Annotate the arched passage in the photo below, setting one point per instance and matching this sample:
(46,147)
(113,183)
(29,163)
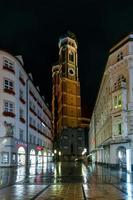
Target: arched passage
(21,156)
(32,157)
(121,154)
(39,157)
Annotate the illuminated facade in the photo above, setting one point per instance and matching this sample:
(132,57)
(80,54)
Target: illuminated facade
(111,125)
(66,102)
(25,119)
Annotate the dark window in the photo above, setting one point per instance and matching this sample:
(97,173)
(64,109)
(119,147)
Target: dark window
(71,56)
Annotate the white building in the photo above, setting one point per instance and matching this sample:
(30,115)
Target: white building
(111,126)
(25,120)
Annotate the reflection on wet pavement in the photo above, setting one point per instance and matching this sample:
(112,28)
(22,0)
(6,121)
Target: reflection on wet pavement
(93,182)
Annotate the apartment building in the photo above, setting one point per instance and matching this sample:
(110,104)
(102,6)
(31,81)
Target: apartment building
(25,119)
(111,125)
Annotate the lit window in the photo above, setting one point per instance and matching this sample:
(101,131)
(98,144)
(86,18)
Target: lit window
(8,106)
(119,100)
(115,101)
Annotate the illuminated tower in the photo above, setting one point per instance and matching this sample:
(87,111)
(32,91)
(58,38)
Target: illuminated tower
(66,103)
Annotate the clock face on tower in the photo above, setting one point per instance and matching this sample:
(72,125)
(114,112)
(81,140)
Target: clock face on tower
(71,72)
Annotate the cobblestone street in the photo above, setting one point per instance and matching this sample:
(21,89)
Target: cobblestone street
(66,181)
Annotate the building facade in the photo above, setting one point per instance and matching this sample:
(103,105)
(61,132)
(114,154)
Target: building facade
(66,101)
(25,119)
(111,125)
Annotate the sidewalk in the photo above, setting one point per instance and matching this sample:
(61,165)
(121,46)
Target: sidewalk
(63,191)
(21,192)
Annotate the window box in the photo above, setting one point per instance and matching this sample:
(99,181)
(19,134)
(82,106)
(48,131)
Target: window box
(22,120)
(9,69)
(31,93)
(21,80)
(22,100)
(8,114)
(39,104)
(10,91)
(33,127)
(39,118)
(33,111)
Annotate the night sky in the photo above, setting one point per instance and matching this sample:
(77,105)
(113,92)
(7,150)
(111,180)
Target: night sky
(32,29)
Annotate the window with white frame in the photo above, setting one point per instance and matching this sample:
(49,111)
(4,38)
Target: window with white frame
(21,94)
(21,113)
(8,84)
(21,134)
(8,106)
(8,63)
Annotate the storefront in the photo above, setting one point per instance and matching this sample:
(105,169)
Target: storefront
(45,156)
(32,157)
(21,156)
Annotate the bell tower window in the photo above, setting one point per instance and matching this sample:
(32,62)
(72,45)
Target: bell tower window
(71,56)
(63,55)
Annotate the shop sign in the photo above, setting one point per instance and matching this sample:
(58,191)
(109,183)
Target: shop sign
(39,148)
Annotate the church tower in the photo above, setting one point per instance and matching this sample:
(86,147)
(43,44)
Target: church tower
(66,102)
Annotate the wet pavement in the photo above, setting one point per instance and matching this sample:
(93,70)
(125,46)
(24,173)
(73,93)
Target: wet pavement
(63,181)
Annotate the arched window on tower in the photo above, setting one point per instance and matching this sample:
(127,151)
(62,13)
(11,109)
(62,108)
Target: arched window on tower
(63,55)
(71,56)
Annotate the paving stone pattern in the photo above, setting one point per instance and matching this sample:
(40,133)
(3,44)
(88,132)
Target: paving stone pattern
(63,192)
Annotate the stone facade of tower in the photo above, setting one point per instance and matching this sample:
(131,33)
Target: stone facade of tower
(66,102)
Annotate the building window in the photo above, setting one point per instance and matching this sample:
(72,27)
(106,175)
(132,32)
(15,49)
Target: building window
(5,157)
(13,158)
(21,115)
(21,78)
(8,106)
(21,135)
(30,138)
(120,56)
(9,86)
(118,101)
(71,56)
(8,64)
(119,128)
(34,139)
(21,96)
